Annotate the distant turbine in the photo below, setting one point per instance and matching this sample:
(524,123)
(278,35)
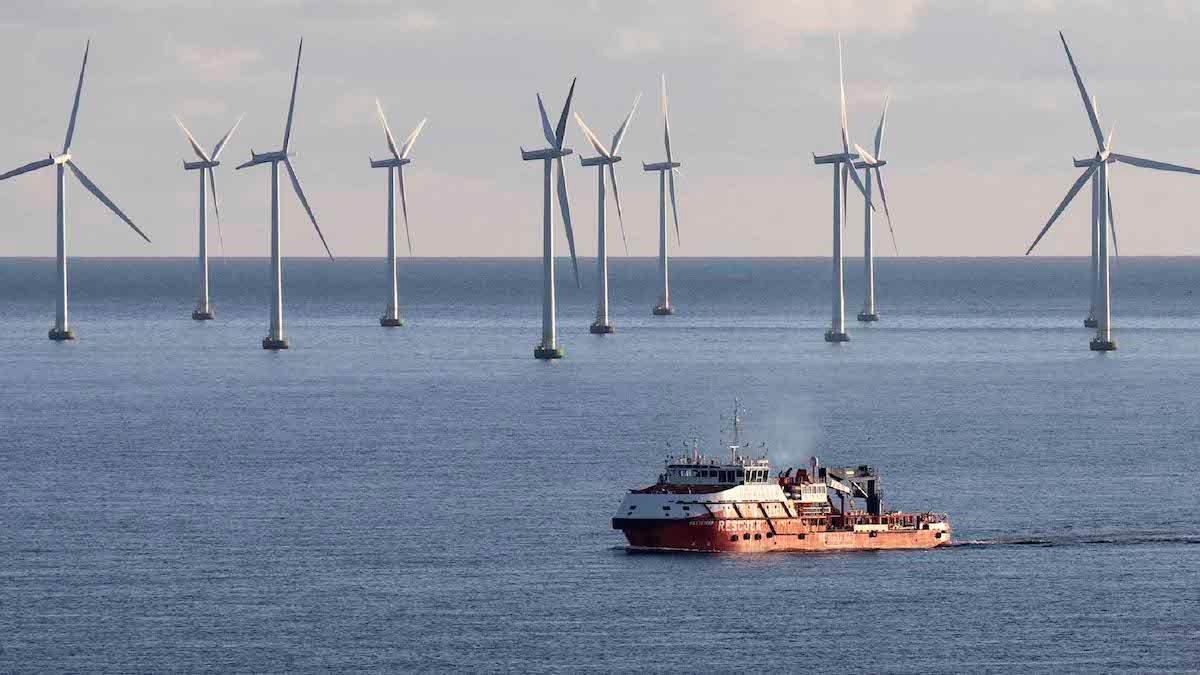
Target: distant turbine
(62,329)
(391,317)
(548,348)
(275,339)
(207,163)
(666,173)
(607,158)
(875,163)
(843,166)
(1096,170)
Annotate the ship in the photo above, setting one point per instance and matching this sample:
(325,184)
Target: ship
(742,505)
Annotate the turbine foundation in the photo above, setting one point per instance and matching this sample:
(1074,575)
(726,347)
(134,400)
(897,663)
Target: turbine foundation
(61,335)
(663,310)
(1101,345)
(390,322)
(1090,323)
(274,344)
(601,328)
(203,314)
(546,353)
(832,336)
(867,317)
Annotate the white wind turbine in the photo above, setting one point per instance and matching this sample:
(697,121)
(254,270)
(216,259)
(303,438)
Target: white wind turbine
(843,166)
(873,162)
(1096,170)
(391,317)
(607,158)
(548,348)
(666,175)
(275,338)
(62,161)
(207,163)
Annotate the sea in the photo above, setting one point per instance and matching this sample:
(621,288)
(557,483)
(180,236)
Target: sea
(173,498)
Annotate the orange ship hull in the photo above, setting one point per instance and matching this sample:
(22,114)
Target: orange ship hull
(714,535)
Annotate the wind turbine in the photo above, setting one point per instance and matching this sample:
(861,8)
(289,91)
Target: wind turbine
(548,348)
(843,166)
(873,162)
(62,161)
(395,165)
(207,163)
(607,158)
(1096,170)
(666,174)
(275,339)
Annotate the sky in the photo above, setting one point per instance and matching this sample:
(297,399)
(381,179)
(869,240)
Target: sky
(984,122)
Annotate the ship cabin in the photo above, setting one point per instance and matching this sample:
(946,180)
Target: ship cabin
(710,473)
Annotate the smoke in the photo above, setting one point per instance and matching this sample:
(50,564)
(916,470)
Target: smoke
(790,428)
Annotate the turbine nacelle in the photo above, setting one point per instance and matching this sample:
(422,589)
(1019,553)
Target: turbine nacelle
(599,161)
(834,158)
(1082,163)
(277,156)
(547,153)
(391,162)
(192,166)
(660,166)
(868,165)
(60,159)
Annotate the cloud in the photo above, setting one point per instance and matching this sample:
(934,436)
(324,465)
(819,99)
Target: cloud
(215,63)
(632,42)
(775,26)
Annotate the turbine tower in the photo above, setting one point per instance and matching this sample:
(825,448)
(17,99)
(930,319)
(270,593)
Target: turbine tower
(62,161)
(606,158)
(666,175)
(873,162)
(1096,170)
(548,348)
(843,166)
(203,310)
(275,339)
(395,165)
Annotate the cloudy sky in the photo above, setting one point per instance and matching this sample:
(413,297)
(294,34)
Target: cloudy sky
(984,121)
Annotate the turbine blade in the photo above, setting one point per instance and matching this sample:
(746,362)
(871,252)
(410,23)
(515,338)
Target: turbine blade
(674,212)
(91,187)
(547,130)
(1087,101)
(858,181)
(564,206)
(612,178)
(616,141)
(387,130)
(32,166)
(1083,178)
(1152,164)
(195,146)
(404,208)
(560,132)
(304,202)
(865,155)
(879,130)
(666,120)
(212,180)
(842,89)
(1112,222)
(287,131)
(412,138)
(221,143)
(883,198)
(591,138)
(75,106)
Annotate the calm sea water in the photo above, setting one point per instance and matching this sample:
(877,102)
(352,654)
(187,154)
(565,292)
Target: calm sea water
(172,497)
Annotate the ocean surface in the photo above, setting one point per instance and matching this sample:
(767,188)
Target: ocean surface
(431,498)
